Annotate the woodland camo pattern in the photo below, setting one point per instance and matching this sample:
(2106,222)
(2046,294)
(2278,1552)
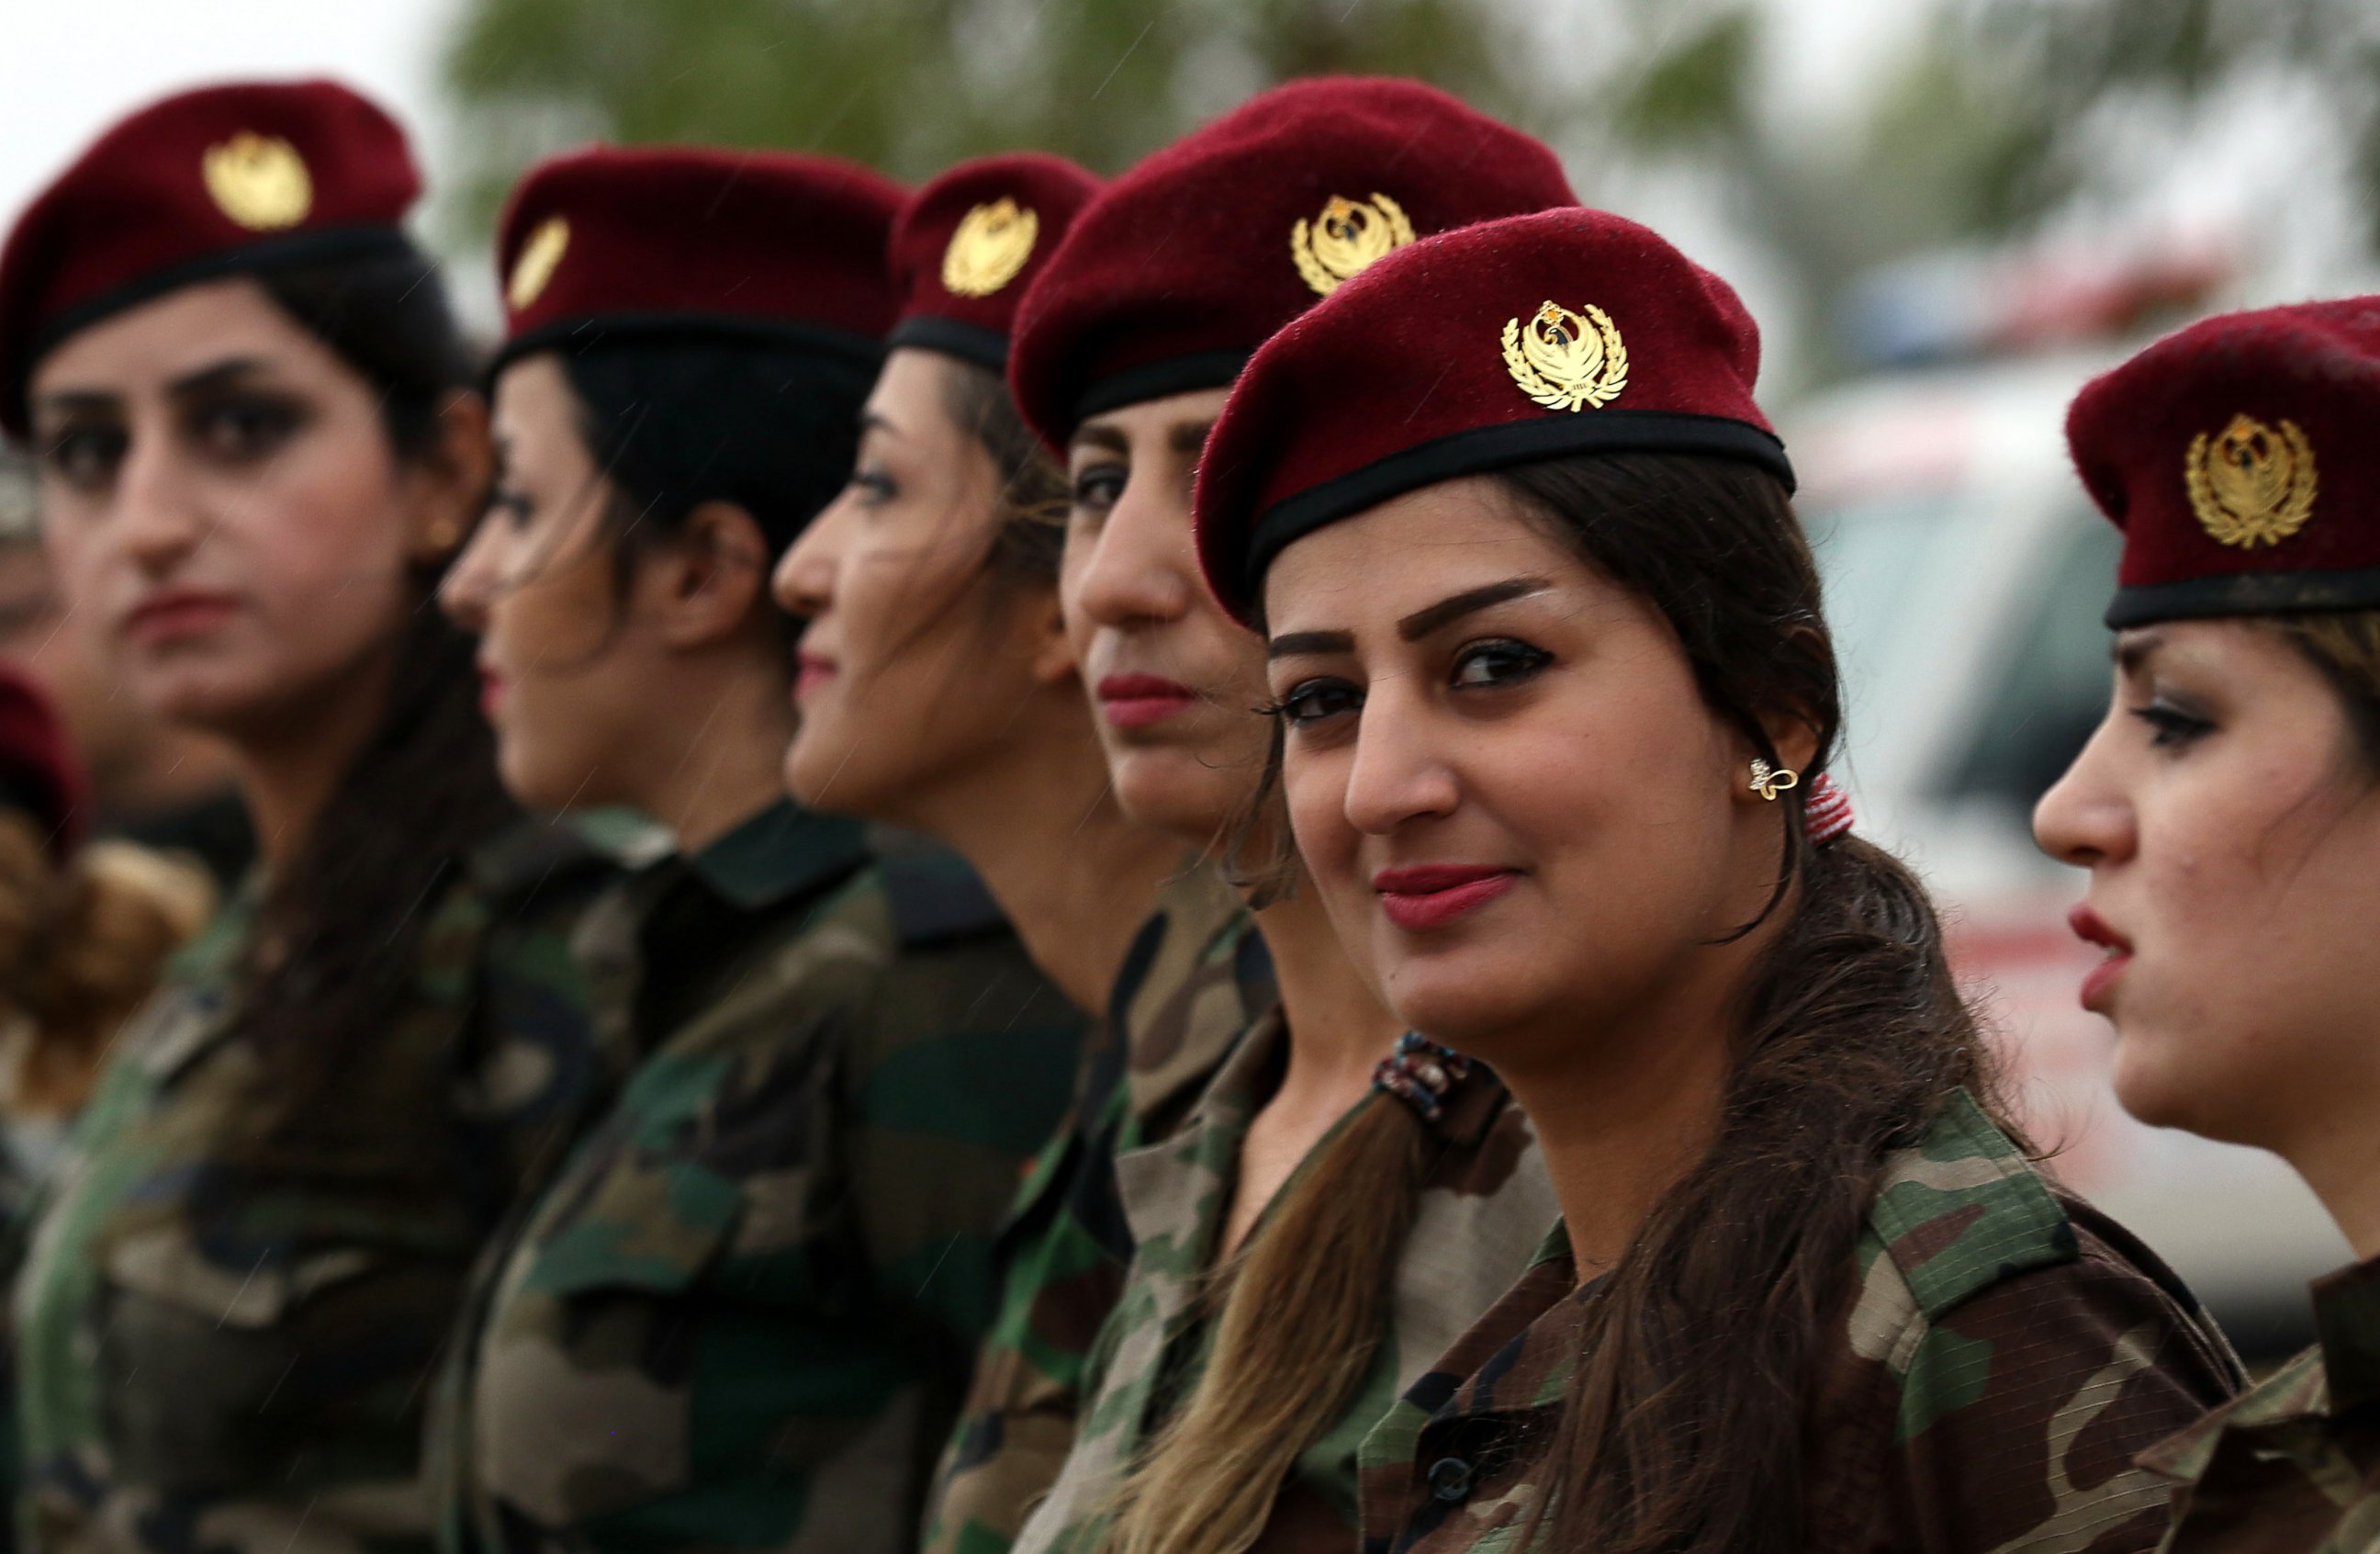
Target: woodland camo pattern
(2293,1466)
(223,1352)
(741,1315)
(1484,1206)
(1196,978)
(2004,1352)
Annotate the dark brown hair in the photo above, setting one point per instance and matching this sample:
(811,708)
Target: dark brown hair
(1700,1352)
(342,927)
(1297,1315)
(1031,538)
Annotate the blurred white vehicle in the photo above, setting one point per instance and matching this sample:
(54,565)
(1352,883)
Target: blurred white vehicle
(1966,575)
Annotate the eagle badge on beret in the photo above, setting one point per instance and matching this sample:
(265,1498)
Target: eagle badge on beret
(2251,485)
(1566,360)
(540,256)
(992,244)
(259,181)
(1347,236)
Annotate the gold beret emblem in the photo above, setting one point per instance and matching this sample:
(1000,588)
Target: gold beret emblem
(991,246)
(259,181)
(540,256)
(2251,485)
(1347,236)
(1566,360)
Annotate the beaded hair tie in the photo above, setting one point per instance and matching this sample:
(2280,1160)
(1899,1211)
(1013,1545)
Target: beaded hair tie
(1827,813)
(1419,1073)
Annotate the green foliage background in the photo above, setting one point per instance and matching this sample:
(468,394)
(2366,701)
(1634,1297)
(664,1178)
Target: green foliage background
(1993,125)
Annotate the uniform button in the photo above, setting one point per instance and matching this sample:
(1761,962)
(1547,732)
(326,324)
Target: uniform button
(1449,1479)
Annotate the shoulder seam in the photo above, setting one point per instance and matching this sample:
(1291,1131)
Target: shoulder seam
(2012,1223)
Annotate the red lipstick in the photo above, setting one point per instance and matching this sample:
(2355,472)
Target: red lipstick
(1432,895)
(2092,929)
(1138,700)
(815,670)
(168,615)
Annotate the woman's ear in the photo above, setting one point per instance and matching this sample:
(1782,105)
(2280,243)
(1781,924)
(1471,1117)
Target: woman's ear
(1054,655)
(704,587)
(447,489)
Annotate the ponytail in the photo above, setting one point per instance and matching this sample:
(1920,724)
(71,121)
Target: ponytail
(1685,1426)
(1300,1311)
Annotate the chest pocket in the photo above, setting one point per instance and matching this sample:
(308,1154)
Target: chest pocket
(217,1370)
(583,1402)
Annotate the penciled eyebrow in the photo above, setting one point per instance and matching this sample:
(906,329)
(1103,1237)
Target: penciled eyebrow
(1446,612)
(1413,628)
(1297,644)
(1107,439)
(2133,649)
(207,379)
(1189,437)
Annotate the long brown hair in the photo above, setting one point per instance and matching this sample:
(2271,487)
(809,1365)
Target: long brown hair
(1297,1316)
(1684,1428)
(341,925)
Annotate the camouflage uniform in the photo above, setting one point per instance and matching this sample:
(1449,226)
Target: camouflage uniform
(742,1315)
(224,1350)
(2293,1465)
(1195,977)
(1485,1205)
(2005,1352)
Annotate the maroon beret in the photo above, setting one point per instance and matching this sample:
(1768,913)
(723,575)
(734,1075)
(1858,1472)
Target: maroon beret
(2233,456)
(220,181)
(1536,337)
(1184,266)
(968,244)
(680,241)
(39,770)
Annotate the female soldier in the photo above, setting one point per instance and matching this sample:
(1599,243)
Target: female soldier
(939,692)
(258,446)
(2228,811)
(741,1315)
(1809,1295)
(1215,1423)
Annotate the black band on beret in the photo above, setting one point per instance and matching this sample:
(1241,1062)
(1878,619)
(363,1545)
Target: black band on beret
(1158,379)
(568,334)
(1486,448)
(2244,593)
(965,341)
(327,245)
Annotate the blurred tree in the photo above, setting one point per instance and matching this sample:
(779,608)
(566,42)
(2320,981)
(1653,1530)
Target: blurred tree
(912,85)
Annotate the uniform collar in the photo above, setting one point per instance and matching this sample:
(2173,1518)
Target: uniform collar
(779,853)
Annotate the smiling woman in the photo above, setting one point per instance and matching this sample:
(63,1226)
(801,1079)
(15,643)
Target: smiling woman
(259,444)
(1808,1291)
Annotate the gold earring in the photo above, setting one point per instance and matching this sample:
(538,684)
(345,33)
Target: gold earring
(444,534)
(1769,781)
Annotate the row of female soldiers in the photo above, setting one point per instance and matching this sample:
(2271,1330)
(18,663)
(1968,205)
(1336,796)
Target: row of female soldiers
(1342,600)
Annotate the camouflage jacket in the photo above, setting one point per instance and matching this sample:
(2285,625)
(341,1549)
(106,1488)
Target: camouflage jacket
(1485,1205)
(1195,977)
(2005,1352)
(224,1349)
(2293,1466)
(742,1315)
